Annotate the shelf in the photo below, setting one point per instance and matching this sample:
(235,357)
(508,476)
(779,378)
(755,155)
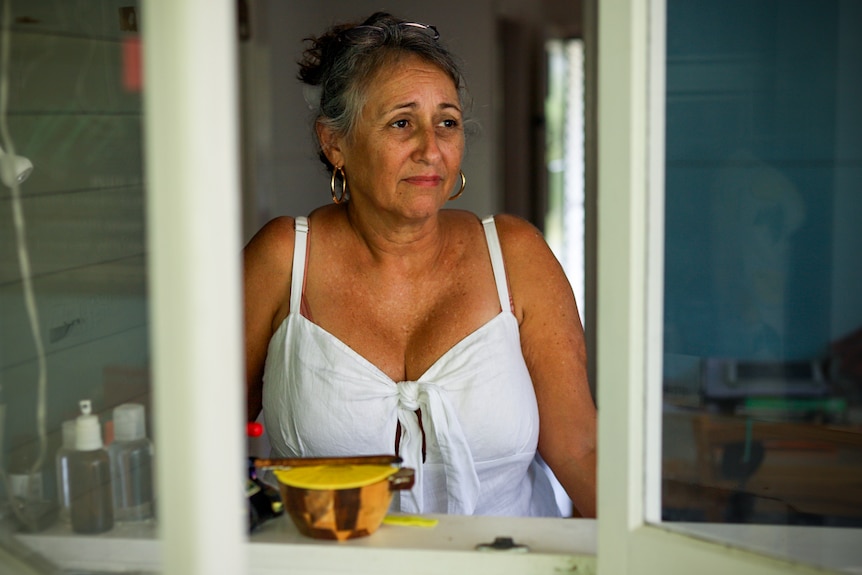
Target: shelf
(554,544)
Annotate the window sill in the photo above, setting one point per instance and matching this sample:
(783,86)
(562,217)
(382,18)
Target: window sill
(561,545)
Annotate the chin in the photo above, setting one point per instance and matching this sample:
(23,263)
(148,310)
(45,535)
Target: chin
(425,208)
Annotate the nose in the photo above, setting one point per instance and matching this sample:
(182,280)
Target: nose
(427,145)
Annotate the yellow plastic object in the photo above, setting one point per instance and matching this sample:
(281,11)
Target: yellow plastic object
(410,521)
(334,476)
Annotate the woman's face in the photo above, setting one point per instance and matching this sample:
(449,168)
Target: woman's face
(404,154)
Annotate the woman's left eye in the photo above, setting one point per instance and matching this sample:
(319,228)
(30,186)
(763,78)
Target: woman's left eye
(449,123)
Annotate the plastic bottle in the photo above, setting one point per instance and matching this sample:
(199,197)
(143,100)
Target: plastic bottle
(65,452)
(26,485)
(24,482)
(91,499)
(131,455)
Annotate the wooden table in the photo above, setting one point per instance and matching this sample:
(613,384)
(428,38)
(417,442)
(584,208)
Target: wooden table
(808,472)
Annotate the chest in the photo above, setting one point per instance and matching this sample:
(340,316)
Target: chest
(402,324)
(334,401)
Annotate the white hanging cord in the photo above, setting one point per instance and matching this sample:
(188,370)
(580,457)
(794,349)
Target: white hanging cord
(23,255)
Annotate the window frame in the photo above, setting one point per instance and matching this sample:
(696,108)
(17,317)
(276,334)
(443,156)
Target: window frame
(631,122)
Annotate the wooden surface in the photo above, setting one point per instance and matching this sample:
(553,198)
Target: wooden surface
(311,461)
(808,472)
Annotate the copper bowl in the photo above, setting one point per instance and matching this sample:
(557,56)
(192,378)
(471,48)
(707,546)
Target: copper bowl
(340,514)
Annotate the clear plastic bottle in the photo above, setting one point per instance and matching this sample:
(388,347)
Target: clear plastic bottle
(131,455)
(66,450)
(91,505)
(25,483)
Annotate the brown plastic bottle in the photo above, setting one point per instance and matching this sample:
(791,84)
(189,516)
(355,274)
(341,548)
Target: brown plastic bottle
(91,498)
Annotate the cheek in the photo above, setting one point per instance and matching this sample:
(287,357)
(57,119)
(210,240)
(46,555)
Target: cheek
(455,146)
(377,166)
(389,158)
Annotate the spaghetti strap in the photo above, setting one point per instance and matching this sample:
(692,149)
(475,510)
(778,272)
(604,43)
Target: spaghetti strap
(497,262)
(297,278)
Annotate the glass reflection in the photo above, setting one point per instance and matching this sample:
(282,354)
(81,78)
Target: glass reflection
(763,318)
(73,301)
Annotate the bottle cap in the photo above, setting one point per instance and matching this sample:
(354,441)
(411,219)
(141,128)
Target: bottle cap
(69,434)
(88,434)
(253,429)
(129,422)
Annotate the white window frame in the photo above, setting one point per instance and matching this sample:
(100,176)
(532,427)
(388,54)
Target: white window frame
(193,234)
(630,283)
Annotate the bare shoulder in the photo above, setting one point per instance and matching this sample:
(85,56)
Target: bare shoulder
(524,246)
(516,233)
(268,262)
(275,231)
(271,243)
(535,276)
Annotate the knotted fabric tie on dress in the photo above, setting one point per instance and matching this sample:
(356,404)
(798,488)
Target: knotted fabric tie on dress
(462,482)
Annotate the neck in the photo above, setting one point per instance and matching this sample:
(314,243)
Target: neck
(394,239)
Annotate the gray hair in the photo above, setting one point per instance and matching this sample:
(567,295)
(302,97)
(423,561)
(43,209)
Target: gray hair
(338,66)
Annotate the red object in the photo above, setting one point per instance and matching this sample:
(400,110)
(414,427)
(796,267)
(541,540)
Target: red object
(132,64)
(254,429)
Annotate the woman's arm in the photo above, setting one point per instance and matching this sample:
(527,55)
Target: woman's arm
(267,263)
(552,340)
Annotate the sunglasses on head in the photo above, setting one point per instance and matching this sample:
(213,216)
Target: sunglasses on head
(359,32)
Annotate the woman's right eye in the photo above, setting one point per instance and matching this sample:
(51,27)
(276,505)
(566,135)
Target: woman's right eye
(399,124)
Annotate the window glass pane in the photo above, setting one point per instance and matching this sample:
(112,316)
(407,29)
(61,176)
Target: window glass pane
(762,312)
(73,274)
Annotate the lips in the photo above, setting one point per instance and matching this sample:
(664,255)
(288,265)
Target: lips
(427,181)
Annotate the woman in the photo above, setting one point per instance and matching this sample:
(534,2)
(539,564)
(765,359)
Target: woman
(383,323)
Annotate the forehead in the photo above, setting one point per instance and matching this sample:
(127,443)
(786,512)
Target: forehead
(409,80)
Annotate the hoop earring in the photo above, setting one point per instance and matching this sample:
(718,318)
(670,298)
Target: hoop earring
(339,199)
(460,191)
